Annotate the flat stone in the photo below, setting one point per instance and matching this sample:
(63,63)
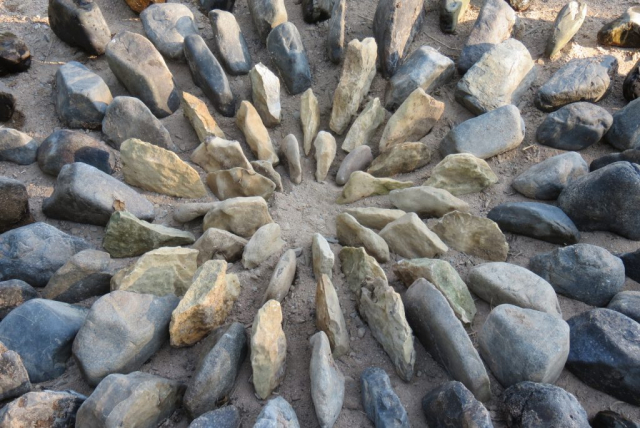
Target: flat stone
(128,117)
(451,11)
(215,377)
(42,332)
(625,132)
(452,405)
(575,126)
(282,277)
(495,24)
(267,15)
(14,293)
(17,147)
(265,90)
(566,25)
(381,307)
(7,104)
(82,96)
(122,331)
(505,283)
(309,119)
(352,234)
(625,302)
(427,201)
(631,85)
(357,266)
(461,174)
(325,146)
(425,68)
(184,213)
(322,257)
(409,237)
(623,31)
(487,135)
(365,126)
(360,185)
(532,404)
(216,244)
(631,155)
(15,56)
(327,381)
(224,417)
(33,253)
(156,169)
(581,79)
(14,201)
(140,5)
(335,37)
(358,71)
(208,75)
(329,316)
(268,349)
(218,154)
(14,379)
(413,120)
(375,218)
(381,404)
(255,133)
(316,10)
(79,24)
(167,270)
(63,147)
(445,278)
(265,168)
(239,182)
(609,419)
(135,399)
(196,111)
(277,412)
(395,23)
(141,69)
(289,56)
(291,152)
(582,272)
(167,25)
(443,336)
(546,179)
(42,409)
(263,244)
(400,159)
(229,44)
(241,216)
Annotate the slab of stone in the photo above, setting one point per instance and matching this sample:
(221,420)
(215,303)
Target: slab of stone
(196,111)
(566,25)
(381,404)
(335,36)
(79,24)
(461,174)
(322,256)
(291,152)
(14,201)
(63,147)
(453,405)
(627,303)
(409,237)
(625,132)
(263,244)
(14,293)
(327,381)
(289,56)
(229,44)
(15,56)
(265,90)
(352,234)
(282,277)
(427,201)
(86,274)
(400,159)
(360,185)
(265,168)
(375,218)
(623,31)
(255,133)
(631,85)
(224,417)
(167,25)
(357,266)
(277,412)
(267,15)
(239,182)
(17,147)
(268,349)
(42,408)
(218,154)
(241,216)
(329,316)
(546,179)
(365,126)
(325,147)
(451,11)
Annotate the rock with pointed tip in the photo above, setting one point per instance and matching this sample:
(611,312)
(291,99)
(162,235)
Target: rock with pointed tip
(262,245)
(335,37)
(360,185)
(358,160)
(17,147)
(290,57)
(79,24)
(167,25)
(282,277)
(322,256)
(409,237)
(229,44)
(239,182)
(268,349)
(325,146)
(327,381)
(353,234)
(217,243)
(566,25)
(267,15)
(257,136)
(291,152)
(241,216)
(265,90)
(623,31)
(196,111)
(218,154)
(365,126)
(329,316)
(546,179)
(309,118)
(357,266)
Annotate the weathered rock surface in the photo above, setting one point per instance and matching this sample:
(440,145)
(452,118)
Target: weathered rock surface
(623,31)
(610,419)
(365,126)
(575,126)
(461,174)
(291,152)
(400,159)
(63,147)
(321,256)
(265,93)
(546,179)
(184,213)
(409,237)
(42,409)
(217,154)
(309,118)
(239,182)
(17,147)
(224,417)
(209,5)
(216,244)
(381,404)
(627,303)
(229,44)
(375,218)
(255,133)
(427,201)
(282,277)
(316,10)
(14,201)
(327,381)
(196,111)
(329,317)
(451,11)
(290,57)
(566,25)
(265,168)
(277,412)
(167,25)
(14,293)
(263,244)
(7,104)
(352,234)
(267,15)
(335,37)
(268,349)
(79,24)
(625,132)
(453,405)
(360,185)
(357,266)
(140,5)
(14,379)
(86,274)
(241,216)
(15,56)
(325,146)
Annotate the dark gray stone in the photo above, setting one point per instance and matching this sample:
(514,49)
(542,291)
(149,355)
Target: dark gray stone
(536,220)
(206,6)
(582,272)
(335,36)
(14,204)
(14,293)
(623,31)
(35,252)
(442,334)
(546,179)
(17,147)
(82,96)
(574,127)
(605,353)
(609,419)
(395,23)
(79,23)
(208,75)
(167,25)
(7,106)
(225,417)
(128,117)
(290,57)
(266,15)
(450,13)
(631,85)
(42,332)
(358,160)
(85,194)
(625,131)
(14,54)
(581,79)
(380,402)
(229,43)
(63,147)
(47,409)
(538,405)
(606,200)
(453,405)
(141,69)
(632,265)
(627,303)
(631,155)
(316,10)
(277,413)
(216,373)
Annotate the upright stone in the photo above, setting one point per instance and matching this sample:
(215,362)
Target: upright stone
(265,90)
(268,349)
(316,10)
(167,25)
(335,37)
(201,120)
(242,216)
(325,145)
(451,11)
(289,56)
(277,412)
(566,25)
(329,316)
(291,152)
(322,257)
(327,381)
(381,404)
(255,133)
(282,277)
(229,44)
(63,147)
(309,118)
(365,126)
(79,24)
(266,15)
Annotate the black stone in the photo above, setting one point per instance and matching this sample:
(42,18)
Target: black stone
(574,127)
(631,85)
(42,332)
(536,220)
(605,353)
(316,10)
(290,57)
(7,106)
(79,23)
(631,155)
(606,199)
(225,417)
(14,204)
(381,404)
(14,54)
(208,75)
(35,252)
(627,303)
(520,5)
(540,405)
(632,265)
(453,405)
(335,36)
(14,293)
(208,5)
(229,43)
(624,133)
(609,419)
(63,147)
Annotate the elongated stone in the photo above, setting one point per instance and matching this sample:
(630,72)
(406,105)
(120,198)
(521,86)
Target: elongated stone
(623,31)
(335,37)
(266,15)
(325,146)
(229,44)
(17,147)
(239,182)
(358,160)
(265,90)
(353,234)
(290,57)
(566,25)
(282,277)
(329,316)
(327,381)
(451,11)
(357,266)
(322,256)
(358,71)
(217,154)
(167,25)
(265,168)
(79,24)
(242,216)
(291,151)
(263,244)
(217,243)
(63,147)
(310,119)
(427,201)
(400,159)
(361,185)
(268,349)
(381,404)
(365,126)
(196,111)
(375,218)
(257,136)
(409,237)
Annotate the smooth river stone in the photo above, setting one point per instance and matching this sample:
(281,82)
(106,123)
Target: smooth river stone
(358,160)
(167,25)
(79,23)
(229,44)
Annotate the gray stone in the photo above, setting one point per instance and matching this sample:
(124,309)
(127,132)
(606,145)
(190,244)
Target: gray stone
(631,262)
(17,147)
(631,155)
(216,243)
(335,37)
(289,56)
(358,159)
(277,413)
(352,234)
(79,24)
(451,11)
(291,152)
(381,404)
(282,277)
(625,131)
(427,201)
(14,293)
(566,25)
(229,44)
(50,409)
(627,303)
(327,381)
(316,10)
(185,213)
(453,405)
(623,31)
(266,15)
(167,25)
(546,179)
(14,379)
(225,417)
(14,201)
(631,85)
(575,126)
(63,147)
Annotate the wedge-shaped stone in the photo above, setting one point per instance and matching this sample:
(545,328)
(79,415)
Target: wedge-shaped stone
(329,317)
(361,185)
(290,57)
(167,25)
(158,170)
(357,266)
(375,218)
(268,349)
(241,216)
(238,182)
(79,24)
(358,71)
(623,31)
(461,174)
(477,236)
(282,277)
(322,256)
(409,237)
(427,201)
(325,145)
(216,243)
(160,272)
(257,136)
(229,44)
(266,15)
(264,243)
(196,111)
(358,160)
(266,169)
(217,154)
(309,118)
(365,126)
(327,381)
(353,234)
(400,159)
(413,120)
(265,93)
(291,151)
(566,25)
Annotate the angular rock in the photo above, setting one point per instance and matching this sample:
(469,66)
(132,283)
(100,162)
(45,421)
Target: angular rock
(167,25)
(268,349)
(409,237)
(14,379)
(229,44)
(14,293)
(453,405)
(14,54)
(241,216)
(327,381)
(42,409)
(122,331)
(291,152)
(263,244)
(627,303)
(79,24)
(357,266)
(14,201)
(443,336)
(255,133)
(216,243)
(631,85)
(566,25)
(82,96)
(265,168)
(201,120)
(316,10)
(505,283)
(375,218)
(413,120)
(265,93)
(623,31)
(140,5)
(239,182)
(17,147)
(325,146)
(128,117)
(352,234)
(625,132)
(451,11)
(427,201)
(381,404)
(582,272)
(267,15)
(335,37)
(546,179)
(581,79)
(400,159)
(365,126)
(309,118)
(224,417)
(609,419)
(184,213)
(322,257)
(217,154)
(575,126)
(360,185)
(329,316)
(63,147)
(141,69)
(358,71)
(289,56)
(282,277)
(277,412)
(461,174)
(167,270)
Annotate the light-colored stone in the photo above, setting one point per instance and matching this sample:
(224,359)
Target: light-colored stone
(413,120)
(216,154)
(326,148)
(361,185)
(156,169)
(267,15)
(329,316)
(196,111)
(375,218)
(409,237)
(282,277)
(268,349)
(358,71)
(241,216)
(206,304)
(357,266)
(186,212)
(310,118)
(291,151)
(265,242)
(217,243)
(566,25)
(461,174)
(160,272)
(358,160)
(400,159)
(353,234)
(265,93)
(240,182)
(257,136)
(327,381)
(476,236)
(322,256)
(365,125)
(14,379)
(265,168)
(427,201)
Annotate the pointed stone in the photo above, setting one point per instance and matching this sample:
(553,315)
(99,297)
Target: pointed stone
(241,216)
(310,118)
(184,213)
(451,11)
(335,37)
(381,404)
(196,111)
(353,234)
(255,133)
(361,185)
(266,15)
(282,277)
(375,218)
(427,201)
(329,316)
(262,245)
(357,266)
(365,126)
(358,71)
(268,349)
(14,54)
(79,24)
(409,237)
(322,257)
(461,174)
(167,25)
(566,25)
(327,381)
(63,147)
(229,44)
(623,31)
(265,90)
(400,159)
(218,154)
(239,182)
(358,160)
(290,57)
(265,168)
(291,151)
(17,147)
(216,243)
(325,146)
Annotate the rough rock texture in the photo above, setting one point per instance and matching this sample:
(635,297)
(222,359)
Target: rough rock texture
(461,174)
(197,112)
(375,218)
(623,31)
(14,201)
(14,293)
(7,102)
(266,15)
(263,244)
(140,5)
(63,147)
(290,57)
(184,213)
(291,152)
(316,10)
(14,379)
(380,402)
(627,303)
(631,155)
(265,168)
(239,182)
(309,118)
(325,146)
(365,126)
(79,24)
(329,317)
(217,154)
(268,349)
(42,409)
(265,93)
(427,201)
(17,147)
(167,25)
(409,237)
(327,381)
(255,133)
(625,130)
(353,234)
(546,179)
(216,243)
(631,85)
(321,256)
(575,126)
(357,266)
(277,412)
(400,159)
(241,216)
(224,417)
(609,419)
(360,185)
(566,25)
(282,277)
(453,405)
(229,44)
(15,56)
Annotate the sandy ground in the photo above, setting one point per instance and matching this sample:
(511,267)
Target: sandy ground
(308,208)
